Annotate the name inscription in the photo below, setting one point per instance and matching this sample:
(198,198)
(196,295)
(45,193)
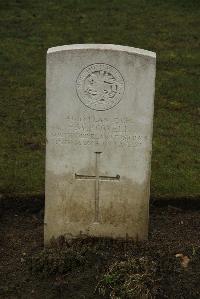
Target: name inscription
(86,131)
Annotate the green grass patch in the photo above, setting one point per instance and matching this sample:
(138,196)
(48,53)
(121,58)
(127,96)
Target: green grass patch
(170,28)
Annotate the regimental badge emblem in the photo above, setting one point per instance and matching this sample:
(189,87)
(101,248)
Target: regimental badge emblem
(100,86)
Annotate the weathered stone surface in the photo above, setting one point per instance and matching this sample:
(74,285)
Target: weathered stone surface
(99,129)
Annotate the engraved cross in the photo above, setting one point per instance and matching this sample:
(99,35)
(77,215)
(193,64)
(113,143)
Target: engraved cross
(97,179)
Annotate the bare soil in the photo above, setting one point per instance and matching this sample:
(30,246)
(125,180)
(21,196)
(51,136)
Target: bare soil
(26,268)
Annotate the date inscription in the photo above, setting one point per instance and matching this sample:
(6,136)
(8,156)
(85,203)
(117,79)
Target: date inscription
(88,131)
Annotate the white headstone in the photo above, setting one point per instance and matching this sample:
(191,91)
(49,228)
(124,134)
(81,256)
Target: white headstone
(100,101)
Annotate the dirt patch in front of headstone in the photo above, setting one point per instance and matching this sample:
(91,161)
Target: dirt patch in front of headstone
(167,266)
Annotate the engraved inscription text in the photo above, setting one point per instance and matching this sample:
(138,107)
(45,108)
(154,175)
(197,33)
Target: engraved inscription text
(89,131)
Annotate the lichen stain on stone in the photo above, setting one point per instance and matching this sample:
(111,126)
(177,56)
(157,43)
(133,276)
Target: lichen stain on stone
(126,204)
(71,205)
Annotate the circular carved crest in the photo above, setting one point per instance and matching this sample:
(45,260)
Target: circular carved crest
(100,86)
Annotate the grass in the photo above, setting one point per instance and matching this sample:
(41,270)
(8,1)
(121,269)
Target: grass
(170,28)
(131,278)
